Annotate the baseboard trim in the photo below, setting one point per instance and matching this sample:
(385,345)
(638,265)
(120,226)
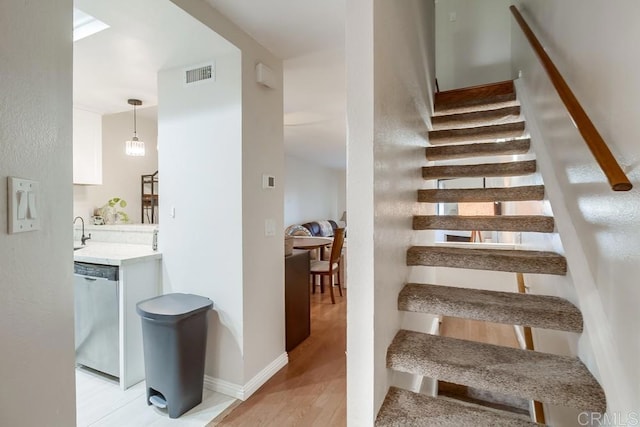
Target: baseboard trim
(221,386)
(263,376)
(244,392)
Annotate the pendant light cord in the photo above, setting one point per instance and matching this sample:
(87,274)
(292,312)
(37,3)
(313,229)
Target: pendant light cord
(135,126)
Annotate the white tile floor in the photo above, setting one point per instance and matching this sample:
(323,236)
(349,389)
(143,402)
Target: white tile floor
(101,403)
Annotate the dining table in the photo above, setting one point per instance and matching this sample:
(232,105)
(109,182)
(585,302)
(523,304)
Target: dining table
(312,243)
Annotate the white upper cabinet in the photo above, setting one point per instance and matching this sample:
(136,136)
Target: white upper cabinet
(87,147)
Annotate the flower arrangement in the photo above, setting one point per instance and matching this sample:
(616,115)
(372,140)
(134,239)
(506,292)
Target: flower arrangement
(110,213)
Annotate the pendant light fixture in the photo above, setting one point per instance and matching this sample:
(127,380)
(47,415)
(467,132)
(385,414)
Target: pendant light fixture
(134,147)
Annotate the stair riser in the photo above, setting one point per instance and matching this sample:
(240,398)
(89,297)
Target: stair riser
(486,223)
(512,194)
(465,97)
(483,133)
(482,170)
(476,118)
(480,261)
(462,151)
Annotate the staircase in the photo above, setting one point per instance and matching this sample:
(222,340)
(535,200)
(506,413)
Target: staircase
(468,123)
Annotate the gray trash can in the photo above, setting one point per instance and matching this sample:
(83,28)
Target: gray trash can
(174,336)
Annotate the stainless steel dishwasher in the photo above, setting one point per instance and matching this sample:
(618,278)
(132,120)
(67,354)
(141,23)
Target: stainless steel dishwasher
(97,317)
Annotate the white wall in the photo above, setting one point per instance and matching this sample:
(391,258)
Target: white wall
(599,227)
(36,307)
(476,47)
(120,173)
(262,256)
(200,153)
(312,192)
(389,85)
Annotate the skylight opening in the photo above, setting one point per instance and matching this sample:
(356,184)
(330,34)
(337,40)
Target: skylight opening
(85,25)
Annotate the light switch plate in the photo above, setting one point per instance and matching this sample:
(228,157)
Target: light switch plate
(269,227)
(23,205)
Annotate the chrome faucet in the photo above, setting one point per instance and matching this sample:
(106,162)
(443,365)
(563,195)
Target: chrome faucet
(83,239)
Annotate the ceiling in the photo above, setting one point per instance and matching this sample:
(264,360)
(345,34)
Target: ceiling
(122,61)
(309,37)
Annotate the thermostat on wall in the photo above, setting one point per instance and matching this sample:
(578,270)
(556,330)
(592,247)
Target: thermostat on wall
(268,181)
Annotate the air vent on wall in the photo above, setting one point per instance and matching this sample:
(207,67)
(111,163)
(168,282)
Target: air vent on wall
(201,74)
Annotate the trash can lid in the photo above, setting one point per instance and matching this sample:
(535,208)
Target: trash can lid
(173,307)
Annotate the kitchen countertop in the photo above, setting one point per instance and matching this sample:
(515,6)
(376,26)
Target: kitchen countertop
(114,253)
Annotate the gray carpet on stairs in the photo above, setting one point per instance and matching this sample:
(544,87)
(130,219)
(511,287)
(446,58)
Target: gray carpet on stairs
(503,101)
(402,408)
(459,151)
(535,223)
(480,170)
(483,114)
(517,261)
(538,311)
(532,192)
(478,133)
(489,116)
(549,378)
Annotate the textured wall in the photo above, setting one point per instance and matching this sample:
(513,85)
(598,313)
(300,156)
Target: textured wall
(36,306)
(390,72)
(200,157)
(599,227)
(262,152)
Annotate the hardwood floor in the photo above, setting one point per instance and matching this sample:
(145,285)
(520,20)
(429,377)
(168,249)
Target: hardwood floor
(311,390)
(476,330)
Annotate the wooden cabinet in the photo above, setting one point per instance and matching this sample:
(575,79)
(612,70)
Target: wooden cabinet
(87,147)
(297,305)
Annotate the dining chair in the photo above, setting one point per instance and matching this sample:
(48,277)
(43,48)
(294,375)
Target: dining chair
(321,269)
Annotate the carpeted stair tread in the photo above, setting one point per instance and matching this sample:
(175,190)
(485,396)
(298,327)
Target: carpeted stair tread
(548,378)
(402,408)
(491,116)
(517,261)
(458,151)
(537,311)
(529,223)
(477,133)
(475,96)
(480,170)
(532,192)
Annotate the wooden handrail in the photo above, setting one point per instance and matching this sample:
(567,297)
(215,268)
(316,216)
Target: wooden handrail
(597,145)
